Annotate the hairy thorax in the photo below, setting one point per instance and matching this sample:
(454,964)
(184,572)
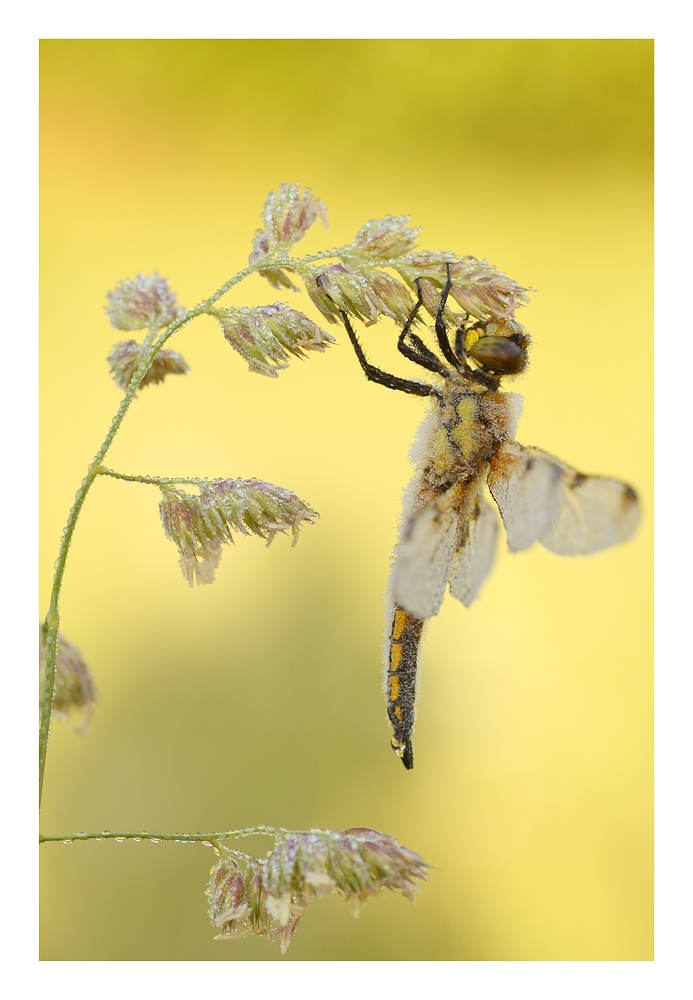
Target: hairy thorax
(464,431)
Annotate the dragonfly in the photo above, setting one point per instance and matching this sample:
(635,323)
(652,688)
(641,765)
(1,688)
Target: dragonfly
(465,447)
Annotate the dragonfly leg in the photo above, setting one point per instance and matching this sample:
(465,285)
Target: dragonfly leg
(441,328)
(384,378)
(419,353)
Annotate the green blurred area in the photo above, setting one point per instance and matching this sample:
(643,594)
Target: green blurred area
(258,700)
(537,98)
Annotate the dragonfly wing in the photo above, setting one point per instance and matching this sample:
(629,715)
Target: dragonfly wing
(594,513)
(543,499)
(474,558)
(527,485)
(423,558)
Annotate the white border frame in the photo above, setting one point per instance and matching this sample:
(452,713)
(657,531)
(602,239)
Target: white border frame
(668,975)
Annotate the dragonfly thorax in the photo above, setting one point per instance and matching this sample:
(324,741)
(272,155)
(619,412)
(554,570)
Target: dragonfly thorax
(467,431)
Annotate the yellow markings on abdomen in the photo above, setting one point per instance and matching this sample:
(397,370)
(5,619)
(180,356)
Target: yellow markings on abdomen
(400,620)
(405,636)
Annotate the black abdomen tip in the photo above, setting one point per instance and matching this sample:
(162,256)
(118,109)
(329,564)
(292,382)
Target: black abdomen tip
(408,755)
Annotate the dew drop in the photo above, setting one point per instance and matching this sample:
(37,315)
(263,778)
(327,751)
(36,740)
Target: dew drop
(68,841)
(137,839)
(207,843)
(155,840)
(121,840)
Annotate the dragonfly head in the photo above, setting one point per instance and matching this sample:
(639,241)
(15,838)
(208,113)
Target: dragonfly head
(498,347)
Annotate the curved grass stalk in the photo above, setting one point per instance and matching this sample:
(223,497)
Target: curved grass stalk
(151,347)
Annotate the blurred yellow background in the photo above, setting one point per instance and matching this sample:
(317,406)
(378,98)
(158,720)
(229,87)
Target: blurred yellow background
(258,699)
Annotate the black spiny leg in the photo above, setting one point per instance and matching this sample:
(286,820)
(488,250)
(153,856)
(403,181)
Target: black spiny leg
(460,335)
(377,375)
(419,353)
(459,342)
(441,329)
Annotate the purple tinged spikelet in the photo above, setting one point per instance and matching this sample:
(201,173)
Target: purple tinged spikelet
(392,297)
(198,543)
(266,336)
(479,288)
(228,908)
(361,291)
(200,525)
(74,692)
(358,863)
(387,238)
(148,301)
(336,288)
(239,905)
(125,357)
(287,215)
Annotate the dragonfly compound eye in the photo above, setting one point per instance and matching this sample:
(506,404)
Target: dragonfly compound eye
(499,354)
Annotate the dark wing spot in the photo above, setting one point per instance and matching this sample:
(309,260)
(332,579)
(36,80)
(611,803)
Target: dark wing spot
(629,497)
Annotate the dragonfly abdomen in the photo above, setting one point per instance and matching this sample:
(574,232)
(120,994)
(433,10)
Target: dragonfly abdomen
(403,657)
